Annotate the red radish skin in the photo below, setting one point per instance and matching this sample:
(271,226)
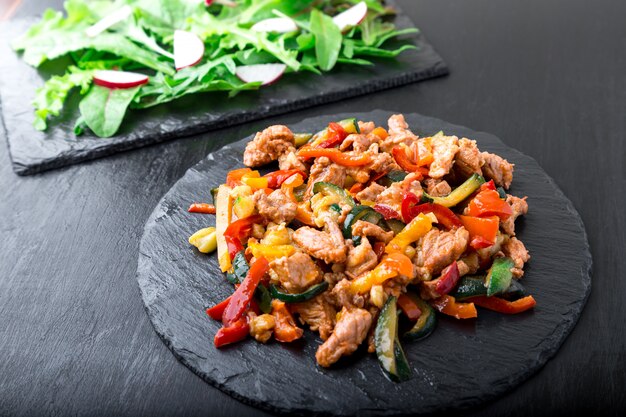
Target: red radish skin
(188,49)
(264,73)
(119,79)
(351,17)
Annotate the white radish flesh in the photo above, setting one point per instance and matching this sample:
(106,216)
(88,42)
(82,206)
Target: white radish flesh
(108,21)
(188,49)
(119,79)
(351,17)
(263,73)
(275,25)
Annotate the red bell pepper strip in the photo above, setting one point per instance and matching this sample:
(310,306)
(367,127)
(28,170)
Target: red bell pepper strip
(202,208)
(234,333)
(488,203)
(335,134)
(503,306)
(408,306)
(242,296)
(448,279)
(482,230)
(356,188)
(336,156)
(409,201)
(217,310)
(275,179)
(239,230)
(387,212)
(403,160)
(489,185)
(447,304)
(445,216)
(285,329)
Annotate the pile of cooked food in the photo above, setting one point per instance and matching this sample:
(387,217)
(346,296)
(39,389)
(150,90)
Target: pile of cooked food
(363,234)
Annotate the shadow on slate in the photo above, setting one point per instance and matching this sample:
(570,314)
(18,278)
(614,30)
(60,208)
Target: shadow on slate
(462,364)
(33,151)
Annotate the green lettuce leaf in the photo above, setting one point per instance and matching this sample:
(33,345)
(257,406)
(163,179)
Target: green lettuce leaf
(103,109)
(327,39)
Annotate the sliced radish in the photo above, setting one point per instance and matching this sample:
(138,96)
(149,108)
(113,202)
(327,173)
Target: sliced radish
(276,25)
(119,79)
(188,49)
(263,73)
(351,17)
(108,21)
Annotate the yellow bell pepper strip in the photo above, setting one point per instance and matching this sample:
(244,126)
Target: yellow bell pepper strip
(448,305)
(204,239)
(335,155)
(254,180)
(391,266)
(223,217)
(271,252)
(417,228)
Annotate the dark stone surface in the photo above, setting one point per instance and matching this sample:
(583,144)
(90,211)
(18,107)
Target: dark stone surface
(462,364)
(33,151)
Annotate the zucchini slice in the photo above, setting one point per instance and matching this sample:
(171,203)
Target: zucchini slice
(388,349)
(364,213)
(474,286)
(395,225)
(330,189)
(392,176)
(301,138)
(499,276)
(426,322)
(459,194)
(298,298)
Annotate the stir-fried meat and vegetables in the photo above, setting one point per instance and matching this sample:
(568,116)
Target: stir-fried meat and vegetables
(360,222)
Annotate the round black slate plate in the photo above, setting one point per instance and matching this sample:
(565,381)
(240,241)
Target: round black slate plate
(462,364)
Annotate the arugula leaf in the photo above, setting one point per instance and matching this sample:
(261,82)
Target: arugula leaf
(327,39)
(385,53)
(103,109)
(49,99)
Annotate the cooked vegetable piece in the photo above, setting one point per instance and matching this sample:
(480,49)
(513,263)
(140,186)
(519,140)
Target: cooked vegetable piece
(301,138)
(499,276)
(223,210)
(488,203)
(474,286)
(244,293)
(506,307)
(483,230)
(300,297)
(460,193)
(204,239)
(364,213)
(204,208)
(286,329)
(391,177)
(336,156)
(388,349)
(330,189)
(425,323)
(417,228)
(446,304)
(392,265)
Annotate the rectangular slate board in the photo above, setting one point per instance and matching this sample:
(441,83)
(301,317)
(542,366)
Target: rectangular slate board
(33,151)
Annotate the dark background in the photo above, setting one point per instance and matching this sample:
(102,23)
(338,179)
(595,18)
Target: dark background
(547,77)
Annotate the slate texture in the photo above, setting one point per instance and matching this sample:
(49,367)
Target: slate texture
(33,151)
(462,364)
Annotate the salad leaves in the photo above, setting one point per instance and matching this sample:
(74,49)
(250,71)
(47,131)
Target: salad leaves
(142,41)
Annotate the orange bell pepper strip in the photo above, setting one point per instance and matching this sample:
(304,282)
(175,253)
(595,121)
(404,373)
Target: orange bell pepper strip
(202,208)
(447,304)
(335,155)
(482,230)
(381,133)
(391,266)
(233,178)
(425,152)
(503,306)
(408,306)
(488,203)
(304,215)
(285,329)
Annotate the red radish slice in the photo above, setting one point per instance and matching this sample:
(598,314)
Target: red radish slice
(263,73)
(108,21)
(119,79)
(351,17)
(276,25)
(188,49)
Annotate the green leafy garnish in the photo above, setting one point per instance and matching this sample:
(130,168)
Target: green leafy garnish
(142,41)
